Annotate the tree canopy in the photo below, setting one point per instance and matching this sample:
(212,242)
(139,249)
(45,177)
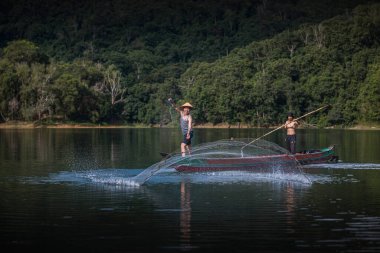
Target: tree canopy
(236,61)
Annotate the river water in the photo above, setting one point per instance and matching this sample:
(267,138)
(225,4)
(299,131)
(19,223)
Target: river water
(63,190)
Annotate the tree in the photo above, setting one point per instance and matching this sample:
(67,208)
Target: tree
(9,87)
(13,107)
(142,62)
(36,93)
(111,86)
(67,89)
(319,35)
(23,51)
(369,96)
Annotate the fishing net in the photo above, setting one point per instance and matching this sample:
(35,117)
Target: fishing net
(258,157)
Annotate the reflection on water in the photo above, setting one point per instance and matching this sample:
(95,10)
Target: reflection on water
(55,149)
(290,203)
(259,214)
(69,190)
(185,219)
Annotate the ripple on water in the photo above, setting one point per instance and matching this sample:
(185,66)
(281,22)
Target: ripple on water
(125,177)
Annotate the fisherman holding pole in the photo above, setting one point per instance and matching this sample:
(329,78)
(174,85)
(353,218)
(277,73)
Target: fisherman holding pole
(290,126)
(282,126)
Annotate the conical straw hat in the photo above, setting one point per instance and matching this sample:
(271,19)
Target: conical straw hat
(186,105)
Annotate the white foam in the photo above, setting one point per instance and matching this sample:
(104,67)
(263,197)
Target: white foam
(352,166)
(115,181)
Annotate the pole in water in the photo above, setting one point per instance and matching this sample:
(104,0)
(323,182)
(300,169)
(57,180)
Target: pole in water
(303,116)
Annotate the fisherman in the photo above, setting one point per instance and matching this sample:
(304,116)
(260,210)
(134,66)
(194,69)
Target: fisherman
(186,123)
(290,126)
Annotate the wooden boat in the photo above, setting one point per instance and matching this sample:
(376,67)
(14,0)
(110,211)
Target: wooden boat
(257,163)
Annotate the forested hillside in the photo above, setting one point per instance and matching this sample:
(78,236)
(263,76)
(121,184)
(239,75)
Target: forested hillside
(236,61)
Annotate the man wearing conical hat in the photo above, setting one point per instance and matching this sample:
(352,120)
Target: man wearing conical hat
(186,123)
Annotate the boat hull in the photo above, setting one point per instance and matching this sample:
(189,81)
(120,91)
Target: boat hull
(258,163)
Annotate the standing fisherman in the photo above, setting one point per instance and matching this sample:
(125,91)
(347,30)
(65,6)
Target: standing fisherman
(186,123)
(290,126)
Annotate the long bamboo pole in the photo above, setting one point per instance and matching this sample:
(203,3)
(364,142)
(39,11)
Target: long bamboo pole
(282,126)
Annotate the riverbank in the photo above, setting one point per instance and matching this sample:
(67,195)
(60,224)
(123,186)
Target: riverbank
(32,125)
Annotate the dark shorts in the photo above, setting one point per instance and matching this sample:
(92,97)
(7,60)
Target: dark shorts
(291,138)
(187,141)
(291,143)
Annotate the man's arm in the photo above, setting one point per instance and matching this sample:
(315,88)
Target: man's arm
(190,126)
(170,100)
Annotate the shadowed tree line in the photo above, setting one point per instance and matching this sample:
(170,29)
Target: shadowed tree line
(236,61)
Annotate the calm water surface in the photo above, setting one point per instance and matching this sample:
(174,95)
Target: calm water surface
(62,190)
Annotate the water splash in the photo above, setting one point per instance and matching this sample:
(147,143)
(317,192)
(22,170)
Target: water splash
(115,177)
(114,180)
(122,179)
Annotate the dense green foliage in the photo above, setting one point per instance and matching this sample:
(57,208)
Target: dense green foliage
(236,61)
(335,62)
